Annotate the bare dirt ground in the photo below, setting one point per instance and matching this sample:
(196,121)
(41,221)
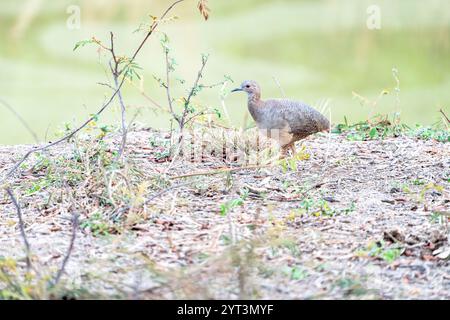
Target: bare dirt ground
(357,220)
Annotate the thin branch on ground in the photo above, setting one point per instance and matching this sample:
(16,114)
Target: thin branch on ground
(222,170)
(61,270)
(160,193)
(21,227)
(22,120)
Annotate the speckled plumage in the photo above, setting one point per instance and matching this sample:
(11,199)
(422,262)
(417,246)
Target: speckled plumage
(285,120)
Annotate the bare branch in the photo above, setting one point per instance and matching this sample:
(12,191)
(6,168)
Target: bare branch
(21,227)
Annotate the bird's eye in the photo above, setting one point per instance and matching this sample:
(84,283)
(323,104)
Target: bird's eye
(247,86)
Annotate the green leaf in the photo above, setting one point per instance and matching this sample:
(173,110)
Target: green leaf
(298,274)
(373,133)
(223,210)
(82,43)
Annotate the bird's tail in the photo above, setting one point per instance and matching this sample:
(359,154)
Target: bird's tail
(325,125)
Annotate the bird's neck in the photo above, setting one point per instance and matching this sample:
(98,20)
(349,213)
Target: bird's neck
(255,105)
(254,98)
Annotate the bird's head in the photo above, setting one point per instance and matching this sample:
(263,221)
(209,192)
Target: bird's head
(249,86)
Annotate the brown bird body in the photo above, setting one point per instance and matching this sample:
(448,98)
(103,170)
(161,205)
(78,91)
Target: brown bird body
(284,120)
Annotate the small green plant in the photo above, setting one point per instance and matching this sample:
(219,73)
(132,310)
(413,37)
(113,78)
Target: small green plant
(439,217)
(225,239)
(351,286)
(381,127)
(295,273)
(98,225)
(159,155)
(378,127)
(418,182)
(379,250)
(321,207)
(434,132)
(38,186)
(226,207)
(291,162)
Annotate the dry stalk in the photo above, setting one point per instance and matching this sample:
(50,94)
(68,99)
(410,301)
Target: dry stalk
(22,120)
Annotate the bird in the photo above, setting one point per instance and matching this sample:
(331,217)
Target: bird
(284,120)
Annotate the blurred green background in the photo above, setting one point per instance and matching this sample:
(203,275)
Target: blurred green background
(316,50)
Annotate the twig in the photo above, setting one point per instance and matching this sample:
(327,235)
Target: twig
(69,250)
(105,105)
(167,86)
(123,116)
(222,101)
(22,120)
(106,85)
(445,116)
(211,86)
(21,227)
(156,104)
(192,92)
(279,86)
(160,193)
(113,53)
(198,114)
(152,28)
(222,170)
(152,101)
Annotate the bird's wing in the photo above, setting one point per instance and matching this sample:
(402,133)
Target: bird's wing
(302,119)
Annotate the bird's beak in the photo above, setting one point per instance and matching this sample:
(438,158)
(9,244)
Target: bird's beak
(237,89)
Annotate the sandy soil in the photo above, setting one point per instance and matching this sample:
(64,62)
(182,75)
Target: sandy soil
(357,220)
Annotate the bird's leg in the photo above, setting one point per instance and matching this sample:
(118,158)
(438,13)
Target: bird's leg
(292,148)
(284,151)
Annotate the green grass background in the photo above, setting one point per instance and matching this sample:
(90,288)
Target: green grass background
(316,49)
